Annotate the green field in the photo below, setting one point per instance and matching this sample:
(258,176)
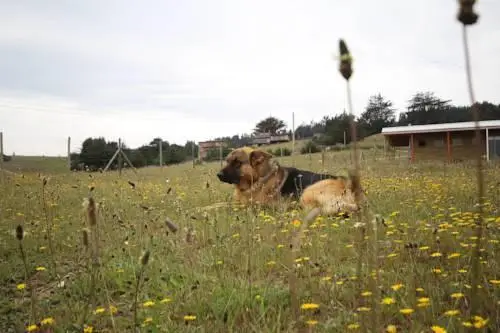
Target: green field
(228,269)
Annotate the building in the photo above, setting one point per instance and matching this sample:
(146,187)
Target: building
(448,141)
(205,146)
(267,139)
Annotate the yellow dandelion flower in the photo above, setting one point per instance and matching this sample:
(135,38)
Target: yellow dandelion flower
(311,322)
(363,309)
(480,322)
(420,290)
(271,263)
(423,248)
(406,311)
(454,255)
(353,326)
(467,324)
(326,278)
(309,306)
(32,328)
(40,268)
(423,300)
(88,329)
(396,287)
(166,300)
(113,309)
(148,320)
(437,270)
(457,295)
(438,329)
(366,293)
(462,271)
(48,321)
(388,301)
(392,255)
(495,281)
(436,254)
(296,223)
(338,283)
(391,329)
(148,304)
(99,310)
(451,313)
(21,286)
(189,318)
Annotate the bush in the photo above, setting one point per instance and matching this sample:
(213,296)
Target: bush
(310,147)
(282,152)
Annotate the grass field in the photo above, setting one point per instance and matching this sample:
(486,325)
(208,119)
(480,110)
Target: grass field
(230,269)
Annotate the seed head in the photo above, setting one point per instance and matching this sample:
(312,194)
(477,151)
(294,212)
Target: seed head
(91,211)
(466,14)
(85,236)
(19,232)
(345,60)
(171,226)
(145,258)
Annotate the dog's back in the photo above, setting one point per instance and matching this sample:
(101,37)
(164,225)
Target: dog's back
(298,180)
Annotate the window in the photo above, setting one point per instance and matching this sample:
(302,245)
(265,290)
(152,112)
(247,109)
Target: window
(438,143)
(457,142)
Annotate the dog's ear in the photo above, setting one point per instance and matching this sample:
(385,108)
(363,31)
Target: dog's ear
(259,156)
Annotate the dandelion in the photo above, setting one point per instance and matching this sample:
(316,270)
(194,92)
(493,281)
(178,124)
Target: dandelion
(353,326)
(388,301)
(99,310)
(165,300)
(480,322)
(454,255)
(451,313)
(366,293)
(406,311)
(457,295)
(495,281)
(148,320)
(396,287)
(21,286)
(189,318)
(32,328)
(311,322)
(88,329)
(296,223)
(436,254)
(363,309)
(148,304)
(391,329)
(40,268)
(326,278)
(48,321)
(113,309)
(309,306)
(438,329)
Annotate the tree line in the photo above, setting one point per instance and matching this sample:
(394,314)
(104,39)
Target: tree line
(422,108)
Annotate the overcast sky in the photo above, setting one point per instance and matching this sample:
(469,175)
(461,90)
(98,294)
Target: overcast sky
(196,69)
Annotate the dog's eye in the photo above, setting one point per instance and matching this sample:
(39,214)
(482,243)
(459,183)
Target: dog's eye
(236,163)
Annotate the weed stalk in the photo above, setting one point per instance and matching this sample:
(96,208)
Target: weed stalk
(144,262)
(467,16)
(48,226)
(20,236)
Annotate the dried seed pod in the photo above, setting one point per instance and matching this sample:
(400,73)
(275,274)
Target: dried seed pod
(171,226)
(85,236)
(91,211)
(19,232)
(145,258)
(345,60)
(466,14)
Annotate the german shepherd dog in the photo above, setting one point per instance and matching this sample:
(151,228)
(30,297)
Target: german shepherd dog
(259,180)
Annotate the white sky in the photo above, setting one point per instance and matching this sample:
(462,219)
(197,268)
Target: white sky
(195,70)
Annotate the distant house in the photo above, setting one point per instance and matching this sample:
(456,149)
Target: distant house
(267,139)
(205,146)
(446,141)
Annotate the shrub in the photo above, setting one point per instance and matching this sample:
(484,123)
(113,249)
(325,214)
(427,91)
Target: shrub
(310,147)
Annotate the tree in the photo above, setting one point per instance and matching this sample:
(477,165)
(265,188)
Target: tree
(270,125)
(378,114)
(425,108)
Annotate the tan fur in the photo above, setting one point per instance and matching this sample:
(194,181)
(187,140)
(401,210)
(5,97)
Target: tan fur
(332,196)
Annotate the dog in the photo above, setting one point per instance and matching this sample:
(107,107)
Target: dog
(259,180)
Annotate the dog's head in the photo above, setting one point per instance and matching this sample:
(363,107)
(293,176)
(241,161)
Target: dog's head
(244,166)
